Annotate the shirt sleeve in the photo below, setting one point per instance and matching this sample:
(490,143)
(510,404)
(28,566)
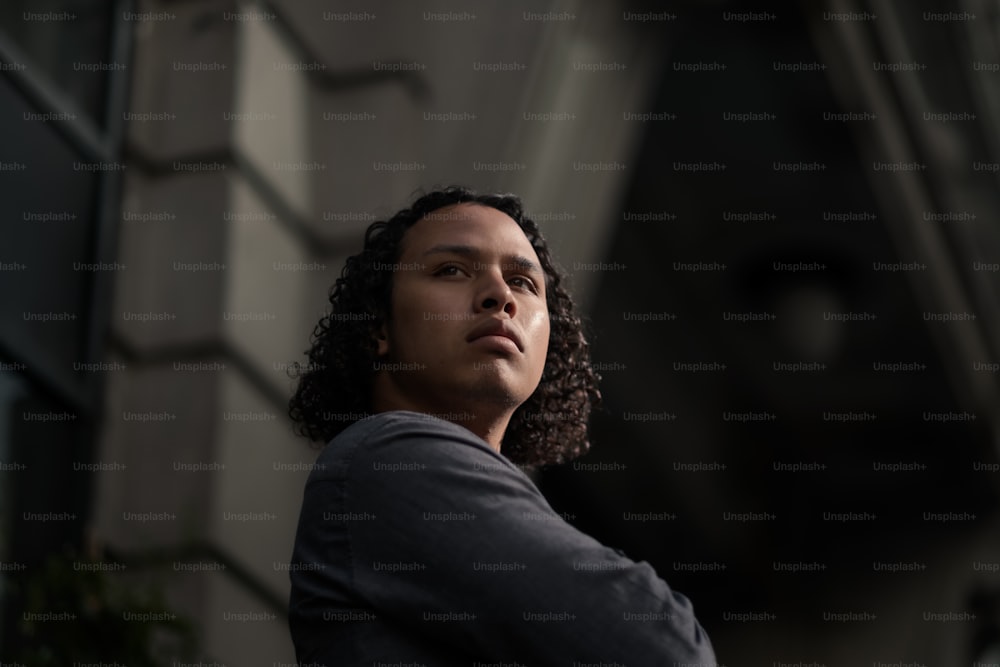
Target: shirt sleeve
(464,549)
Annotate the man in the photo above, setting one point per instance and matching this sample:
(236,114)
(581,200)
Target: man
(452,354)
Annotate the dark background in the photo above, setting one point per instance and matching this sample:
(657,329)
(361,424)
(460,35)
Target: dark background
(910,453)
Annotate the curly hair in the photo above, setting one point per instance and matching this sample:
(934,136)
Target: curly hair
(335,386)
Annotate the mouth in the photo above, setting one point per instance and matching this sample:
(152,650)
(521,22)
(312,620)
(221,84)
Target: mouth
(496,333)
(497,342)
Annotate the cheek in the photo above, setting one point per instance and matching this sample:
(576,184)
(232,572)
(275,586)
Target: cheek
(541,332)
(423,322)
(407,318)
(420,300)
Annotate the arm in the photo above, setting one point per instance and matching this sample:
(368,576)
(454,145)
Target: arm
(467,551)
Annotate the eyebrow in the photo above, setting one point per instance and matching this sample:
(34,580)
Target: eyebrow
(520,261)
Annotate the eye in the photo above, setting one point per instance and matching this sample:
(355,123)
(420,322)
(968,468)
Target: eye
(524,283)
(448,270)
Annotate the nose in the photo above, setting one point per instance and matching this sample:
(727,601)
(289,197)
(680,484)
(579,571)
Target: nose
(494,293)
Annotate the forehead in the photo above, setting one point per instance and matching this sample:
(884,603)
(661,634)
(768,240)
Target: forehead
(468,224)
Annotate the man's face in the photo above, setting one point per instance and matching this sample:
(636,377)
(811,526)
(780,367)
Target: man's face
(469,323)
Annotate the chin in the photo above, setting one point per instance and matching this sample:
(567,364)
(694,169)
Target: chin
(493,391)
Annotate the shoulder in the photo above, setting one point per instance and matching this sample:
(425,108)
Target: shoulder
(402,441)
(399,465)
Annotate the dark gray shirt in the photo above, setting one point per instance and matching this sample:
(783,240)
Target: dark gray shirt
(418,544)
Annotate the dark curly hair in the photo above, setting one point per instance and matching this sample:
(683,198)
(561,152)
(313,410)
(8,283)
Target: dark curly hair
(335,386)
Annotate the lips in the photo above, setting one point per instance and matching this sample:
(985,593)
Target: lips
(495,327)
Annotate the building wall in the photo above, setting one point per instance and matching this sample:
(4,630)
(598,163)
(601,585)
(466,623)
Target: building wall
(276,135)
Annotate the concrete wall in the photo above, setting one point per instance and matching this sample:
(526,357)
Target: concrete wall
(276,137)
